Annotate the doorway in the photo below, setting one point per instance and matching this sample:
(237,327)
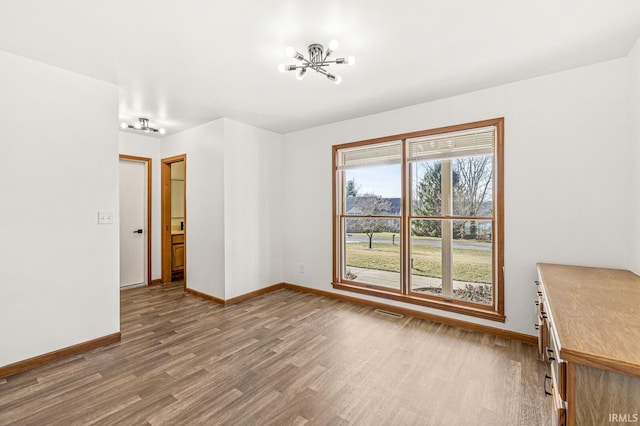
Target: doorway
(135,220)
(174,218)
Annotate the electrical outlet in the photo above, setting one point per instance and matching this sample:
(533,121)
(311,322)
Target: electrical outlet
(301,268)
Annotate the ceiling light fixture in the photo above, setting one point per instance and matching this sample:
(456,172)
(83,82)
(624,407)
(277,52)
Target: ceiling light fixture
(142,124)
(317,61)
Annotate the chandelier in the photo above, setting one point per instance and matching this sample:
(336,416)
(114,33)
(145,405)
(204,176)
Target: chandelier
(317,61)
(142,124)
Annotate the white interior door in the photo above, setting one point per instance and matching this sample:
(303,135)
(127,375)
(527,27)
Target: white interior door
(133,226)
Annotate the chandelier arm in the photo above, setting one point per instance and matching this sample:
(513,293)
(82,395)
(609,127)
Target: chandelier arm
(307,62)
(317,67)
(322,71)
(129,126)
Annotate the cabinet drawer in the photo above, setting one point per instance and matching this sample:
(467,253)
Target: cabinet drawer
(559,413)
(539,324)
(558,406)
(177,239)
(558,366)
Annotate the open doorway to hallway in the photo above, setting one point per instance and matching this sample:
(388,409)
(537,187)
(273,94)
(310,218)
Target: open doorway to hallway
(174,214)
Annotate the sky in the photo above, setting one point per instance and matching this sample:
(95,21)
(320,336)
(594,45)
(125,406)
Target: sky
(384,181)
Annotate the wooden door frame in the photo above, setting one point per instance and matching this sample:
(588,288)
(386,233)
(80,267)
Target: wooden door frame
(147,161)
(165,175)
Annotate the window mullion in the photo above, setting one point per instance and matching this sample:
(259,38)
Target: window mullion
(405,223)
(447,229)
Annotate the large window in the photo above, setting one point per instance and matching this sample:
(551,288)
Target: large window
(419,218)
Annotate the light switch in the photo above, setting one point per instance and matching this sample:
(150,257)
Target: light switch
(105,217)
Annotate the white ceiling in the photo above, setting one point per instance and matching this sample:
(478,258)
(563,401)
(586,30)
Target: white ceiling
(184,63)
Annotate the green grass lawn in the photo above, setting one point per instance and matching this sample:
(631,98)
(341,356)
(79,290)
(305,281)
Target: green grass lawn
(468,265)
(389,235)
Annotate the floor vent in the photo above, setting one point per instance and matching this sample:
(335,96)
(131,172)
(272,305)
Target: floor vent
(391,314)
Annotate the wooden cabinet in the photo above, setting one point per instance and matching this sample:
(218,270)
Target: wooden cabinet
(589,334)
(177,256)
(177,263)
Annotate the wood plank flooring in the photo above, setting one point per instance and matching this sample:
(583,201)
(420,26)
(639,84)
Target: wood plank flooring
(284,358)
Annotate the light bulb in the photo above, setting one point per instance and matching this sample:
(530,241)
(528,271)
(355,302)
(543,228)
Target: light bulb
(351,60)
(281,68)
(162,131)
(137,125)
(290,51)
(333,45)
(123,125)
(338,79)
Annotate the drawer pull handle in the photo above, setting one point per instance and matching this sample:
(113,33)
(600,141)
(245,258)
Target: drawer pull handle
(537,326)
(537,303)
(537,282)
(550,356)
(543,315)
(546,377)
(539,293)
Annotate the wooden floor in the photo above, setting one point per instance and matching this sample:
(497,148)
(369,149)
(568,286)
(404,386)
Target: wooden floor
(285,358)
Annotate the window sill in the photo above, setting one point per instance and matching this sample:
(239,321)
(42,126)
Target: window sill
(437,303)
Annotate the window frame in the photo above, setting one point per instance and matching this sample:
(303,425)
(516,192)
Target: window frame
(495,311)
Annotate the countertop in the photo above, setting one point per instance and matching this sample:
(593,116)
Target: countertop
(596,313)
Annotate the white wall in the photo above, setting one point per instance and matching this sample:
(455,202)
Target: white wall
(59,270)
(565,178)
(253,208)
(204,147)
(145,146)
(634,157)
